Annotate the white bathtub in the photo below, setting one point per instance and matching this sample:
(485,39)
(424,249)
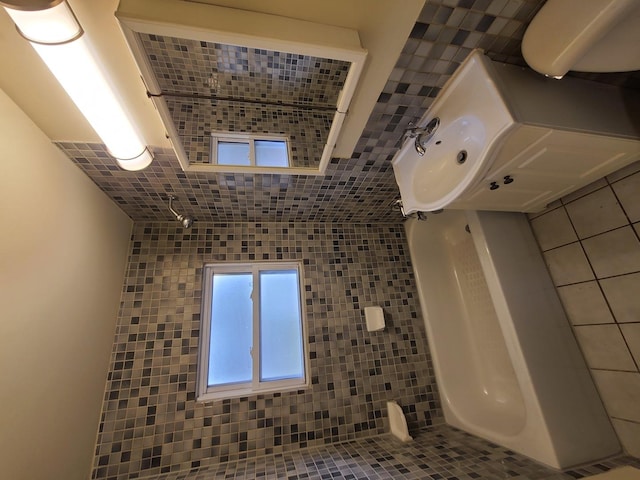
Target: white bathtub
(507,365)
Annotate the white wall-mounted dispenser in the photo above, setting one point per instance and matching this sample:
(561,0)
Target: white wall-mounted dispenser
(375,318)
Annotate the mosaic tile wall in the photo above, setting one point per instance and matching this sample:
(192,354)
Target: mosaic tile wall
(188,69)
(353,190)
(194,67)
(591,243)
(151,423)
(357,190)
(197,119)
(436,453)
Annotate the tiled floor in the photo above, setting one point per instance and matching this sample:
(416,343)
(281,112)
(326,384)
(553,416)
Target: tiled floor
(438,453)
(591,242)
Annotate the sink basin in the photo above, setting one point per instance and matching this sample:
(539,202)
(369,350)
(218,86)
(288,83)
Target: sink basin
(450,157)
(473,117)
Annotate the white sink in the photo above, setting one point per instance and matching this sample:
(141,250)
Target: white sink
(473,116)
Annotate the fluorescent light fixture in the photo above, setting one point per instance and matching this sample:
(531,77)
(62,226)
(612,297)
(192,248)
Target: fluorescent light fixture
(55,34)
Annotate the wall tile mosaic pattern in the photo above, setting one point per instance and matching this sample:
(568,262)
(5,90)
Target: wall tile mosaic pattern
(150,422)
(297,94)
(357,189)
(203,68)
(591,242)
(196,120)
(151,426)
(439,452)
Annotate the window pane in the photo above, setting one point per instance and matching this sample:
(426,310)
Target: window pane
(280,326)
(233,153)
(231,329)
(271,153)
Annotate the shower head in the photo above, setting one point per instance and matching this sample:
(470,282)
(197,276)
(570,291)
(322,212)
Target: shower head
(185,220)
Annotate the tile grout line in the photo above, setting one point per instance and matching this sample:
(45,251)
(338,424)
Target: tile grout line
(630,224)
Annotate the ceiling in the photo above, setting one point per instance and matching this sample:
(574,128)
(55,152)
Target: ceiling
(355,189)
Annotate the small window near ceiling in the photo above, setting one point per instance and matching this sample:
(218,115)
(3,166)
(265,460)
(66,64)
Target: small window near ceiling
(252,330)
(234,153)
(244,150)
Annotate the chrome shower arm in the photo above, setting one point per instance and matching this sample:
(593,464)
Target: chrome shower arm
(185,220)
(171,199)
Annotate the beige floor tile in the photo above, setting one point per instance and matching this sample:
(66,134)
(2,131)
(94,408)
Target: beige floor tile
(614,253)
(631,332)
(603,347)
(628,192)
(596,212)
(568,264)
(585,304)
(553,229)
(620,473)
(629,435)
(620,392)
(623,295)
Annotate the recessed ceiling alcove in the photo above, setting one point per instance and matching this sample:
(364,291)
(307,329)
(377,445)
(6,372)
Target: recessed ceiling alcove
(293,79)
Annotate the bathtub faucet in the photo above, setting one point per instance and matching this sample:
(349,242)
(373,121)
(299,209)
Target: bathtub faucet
(424,135)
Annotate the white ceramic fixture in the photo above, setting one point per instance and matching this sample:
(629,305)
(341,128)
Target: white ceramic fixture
(507,364)
(472,117)
(398,422)
(502,137)
(585,36)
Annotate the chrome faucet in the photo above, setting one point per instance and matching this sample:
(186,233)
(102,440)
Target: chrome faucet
(413,131)
(422,135)
(397,205)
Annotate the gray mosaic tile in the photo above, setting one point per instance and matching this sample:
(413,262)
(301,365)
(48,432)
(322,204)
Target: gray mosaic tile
(354,190)
(151,426)
(436,453)
(203,68)
(196,120)
(212,88)
(150,422)
(357,189)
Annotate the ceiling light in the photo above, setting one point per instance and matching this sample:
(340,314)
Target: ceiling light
(55,34)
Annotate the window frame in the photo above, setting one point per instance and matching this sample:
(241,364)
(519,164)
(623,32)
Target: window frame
(250,139)
(205,393)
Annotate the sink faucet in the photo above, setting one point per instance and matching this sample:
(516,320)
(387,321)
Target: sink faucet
(424,134)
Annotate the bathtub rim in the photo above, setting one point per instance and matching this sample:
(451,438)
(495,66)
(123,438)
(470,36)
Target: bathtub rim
(553,448)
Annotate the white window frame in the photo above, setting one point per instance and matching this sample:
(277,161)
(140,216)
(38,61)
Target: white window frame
(250,139)
(204,392)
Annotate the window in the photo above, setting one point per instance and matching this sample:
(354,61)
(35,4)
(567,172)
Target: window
(244,150)
(252,330)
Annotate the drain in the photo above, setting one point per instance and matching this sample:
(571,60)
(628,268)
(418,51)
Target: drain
(462,157)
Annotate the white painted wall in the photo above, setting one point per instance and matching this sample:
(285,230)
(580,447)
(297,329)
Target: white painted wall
(63,250)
